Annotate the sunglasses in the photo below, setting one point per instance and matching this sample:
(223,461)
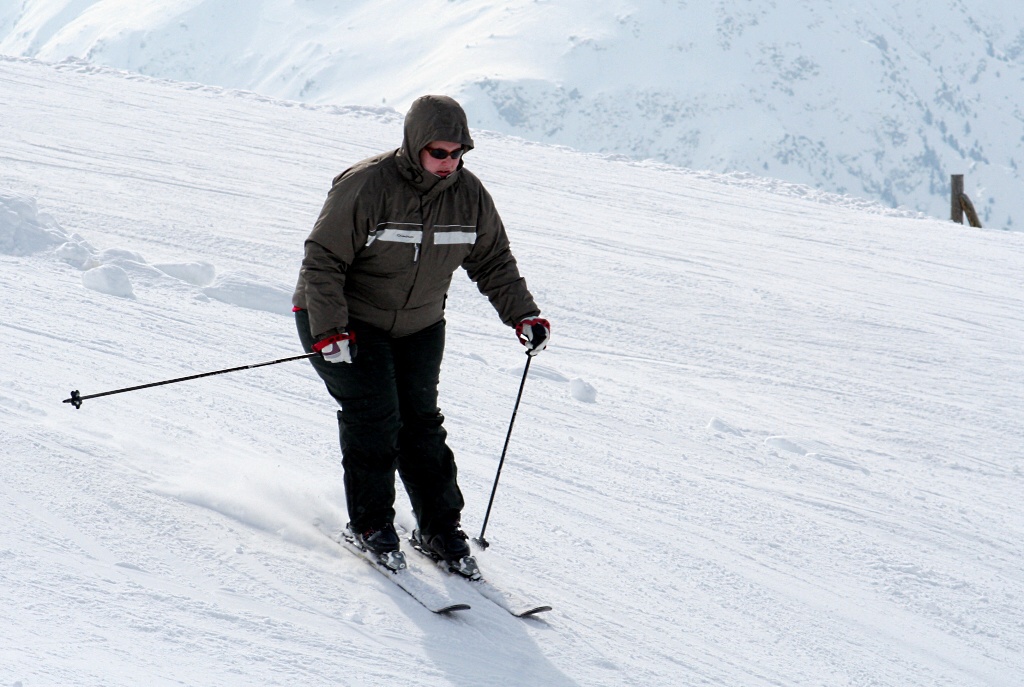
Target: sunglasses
(439,154)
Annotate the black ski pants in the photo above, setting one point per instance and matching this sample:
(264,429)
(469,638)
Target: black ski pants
(389,420)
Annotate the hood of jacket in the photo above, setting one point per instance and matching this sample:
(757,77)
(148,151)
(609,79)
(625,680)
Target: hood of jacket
(431,118)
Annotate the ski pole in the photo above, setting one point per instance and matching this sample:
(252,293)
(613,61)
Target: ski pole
(76,398)
(480,540)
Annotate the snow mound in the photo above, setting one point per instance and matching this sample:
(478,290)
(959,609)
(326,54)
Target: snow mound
(250,292)
(817,450)
(195,273)
(582,391)
(120,255)
(109,279)
(23,229)
(77,254)
(719,425)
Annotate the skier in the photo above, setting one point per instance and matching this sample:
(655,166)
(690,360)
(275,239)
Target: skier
(370,298)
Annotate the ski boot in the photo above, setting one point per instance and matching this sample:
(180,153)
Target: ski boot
(450,548)
(381,543)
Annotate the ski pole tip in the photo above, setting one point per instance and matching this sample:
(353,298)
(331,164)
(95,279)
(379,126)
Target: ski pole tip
(75,400)
(481,541)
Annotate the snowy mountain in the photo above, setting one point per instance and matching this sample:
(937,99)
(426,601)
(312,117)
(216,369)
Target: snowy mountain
(870,98)
(776,440)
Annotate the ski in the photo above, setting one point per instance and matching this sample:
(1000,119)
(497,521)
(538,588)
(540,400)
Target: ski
(507,600)
(468,570)
(395,569)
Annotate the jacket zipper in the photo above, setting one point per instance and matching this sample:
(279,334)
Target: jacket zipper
(423,235)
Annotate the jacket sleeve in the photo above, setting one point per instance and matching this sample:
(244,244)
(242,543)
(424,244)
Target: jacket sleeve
(491,265)
(338,235)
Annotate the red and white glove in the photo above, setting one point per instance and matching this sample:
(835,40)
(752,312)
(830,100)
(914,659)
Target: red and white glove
(534,333)
(337,348)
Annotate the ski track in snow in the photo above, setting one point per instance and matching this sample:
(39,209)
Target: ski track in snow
(776,441)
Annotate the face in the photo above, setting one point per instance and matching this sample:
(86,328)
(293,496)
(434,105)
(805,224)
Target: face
(443,167)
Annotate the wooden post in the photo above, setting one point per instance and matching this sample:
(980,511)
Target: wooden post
(956,209)
(972,215)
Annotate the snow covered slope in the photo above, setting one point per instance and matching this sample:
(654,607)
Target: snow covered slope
(777,440)
(873,98)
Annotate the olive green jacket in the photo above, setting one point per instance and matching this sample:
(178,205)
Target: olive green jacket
(391,235)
